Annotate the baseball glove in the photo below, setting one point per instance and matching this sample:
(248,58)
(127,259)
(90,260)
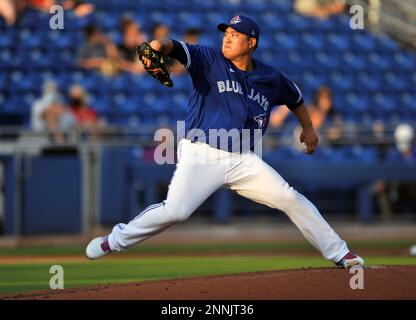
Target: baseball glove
(158,69)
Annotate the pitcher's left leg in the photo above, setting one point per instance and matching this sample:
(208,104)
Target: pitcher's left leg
(256,180)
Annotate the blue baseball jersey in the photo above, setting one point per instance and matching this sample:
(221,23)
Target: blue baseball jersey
(225,97)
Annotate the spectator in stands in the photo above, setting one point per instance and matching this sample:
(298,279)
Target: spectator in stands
(404,151)
(322,108)
(80,7)
(160,30)
(398,196)
(322,9)
(86,118)
(192,35)
(42,5)
(8,11)
(98,52)
(380,139)
(49,115)
(132,36)
(321,111)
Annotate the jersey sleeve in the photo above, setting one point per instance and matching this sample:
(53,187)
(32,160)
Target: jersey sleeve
(290,94)
(195,58)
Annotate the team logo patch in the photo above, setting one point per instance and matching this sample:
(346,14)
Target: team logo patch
(261,120)
(235,20)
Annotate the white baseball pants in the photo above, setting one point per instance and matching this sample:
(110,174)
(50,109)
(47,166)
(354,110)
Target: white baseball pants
(200,171)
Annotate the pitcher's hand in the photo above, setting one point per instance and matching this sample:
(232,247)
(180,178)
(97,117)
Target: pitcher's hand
(310,138)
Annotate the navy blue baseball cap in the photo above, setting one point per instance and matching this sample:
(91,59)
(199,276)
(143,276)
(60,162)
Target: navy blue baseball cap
(242,24)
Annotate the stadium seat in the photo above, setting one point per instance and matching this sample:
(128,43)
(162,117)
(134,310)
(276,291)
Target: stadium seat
(339,41)
(273,20)
(353,61)
(363,42)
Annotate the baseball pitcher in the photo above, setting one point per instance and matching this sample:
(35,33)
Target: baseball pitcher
(231,91)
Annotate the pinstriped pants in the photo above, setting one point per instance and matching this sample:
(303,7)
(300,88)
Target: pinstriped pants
(200,171)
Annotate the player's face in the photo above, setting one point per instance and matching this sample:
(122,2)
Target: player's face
(235,44)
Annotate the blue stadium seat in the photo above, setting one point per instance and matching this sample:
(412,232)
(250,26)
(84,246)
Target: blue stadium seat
(143,84)
(89,82)
(132,103)
(312,80)
(108,21)
(254,8)
(384,102)
(404,61)
(299,61)
(213,18)
(122,82)
(31,18)
(395,81)
(209,40)
(369,81)
(357,103)
(299,23)
(353,61)
(379,61)
(273,20)
(6,57)
(363,42)
(407,100)
(157,103)
(101,103)
(341,81)
(339,41)
(313,41)
(19,102)
(186,20)
(386,44)
(20,81)
(283,7)
(7,38)
(326,60)
(267,57)
(203,5)
(163,16)
(324,25)
(4,79)
(180,101)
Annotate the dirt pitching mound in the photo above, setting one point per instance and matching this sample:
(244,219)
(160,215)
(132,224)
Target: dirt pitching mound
(383,282)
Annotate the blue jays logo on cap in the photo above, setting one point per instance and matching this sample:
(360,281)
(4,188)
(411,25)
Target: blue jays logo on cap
(235,20)
(242,24)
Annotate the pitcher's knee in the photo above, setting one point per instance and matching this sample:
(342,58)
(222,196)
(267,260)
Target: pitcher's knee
(287,198)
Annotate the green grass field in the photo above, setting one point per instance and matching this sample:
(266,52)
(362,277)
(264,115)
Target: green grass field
(169,261)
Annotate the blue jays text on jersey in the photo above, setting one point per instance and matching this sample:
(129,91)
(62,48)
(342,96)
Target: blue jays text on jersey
(232,86)
(225,97)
